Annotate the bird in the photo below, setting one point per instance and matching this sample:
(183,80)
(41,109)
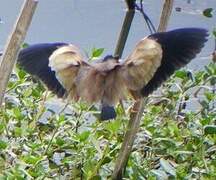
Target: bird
(69,74)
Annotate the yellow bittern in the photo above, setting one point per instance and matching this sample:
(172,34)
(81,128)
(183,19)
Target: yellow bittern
(67,73)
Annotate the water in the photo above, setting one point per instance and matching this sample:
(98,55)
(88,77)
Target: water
(97,24)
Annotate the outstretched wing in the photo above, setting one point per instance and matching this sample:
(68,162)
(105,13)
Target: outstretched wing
(34,60)
(66,63)
(156,57)
(55,64)
(179,48)
(141,64)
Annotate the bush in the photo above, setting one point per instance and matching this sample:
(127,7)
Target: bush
(41,139)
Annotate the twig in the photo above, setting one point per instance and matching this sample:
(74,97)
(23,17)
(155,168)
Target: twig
(14,43)
(203,86)
(41,107)
(4,121)
(51,140)
(135,117)
(55,131)
(98,165)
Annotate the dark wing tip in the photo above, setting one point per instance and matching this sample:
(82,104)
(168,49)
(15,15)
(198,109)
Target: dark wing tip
(179,47)
(28,55)
(34,60)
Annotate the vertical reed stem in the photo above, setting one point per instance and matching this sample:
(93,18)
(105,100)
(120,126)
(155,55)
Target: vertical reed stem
(137,110)
(125,28)
(14,43)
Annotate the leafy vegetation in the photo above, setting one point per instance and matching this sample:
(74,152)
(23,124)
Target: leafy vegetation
(177,137)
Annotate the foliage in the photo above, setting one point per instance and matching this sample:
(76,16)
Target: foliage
(176,140)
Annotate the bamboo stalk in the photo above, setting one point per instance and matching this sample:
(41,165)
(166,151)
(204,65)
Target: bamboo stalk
(14,43)
(137,110)
(165,15)
(125,28)
(130,135)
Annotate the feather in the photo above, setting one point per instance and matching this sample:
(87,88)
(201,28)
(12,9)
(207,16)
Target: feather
(179,48)
(34,60)
(66,62)
(140,66)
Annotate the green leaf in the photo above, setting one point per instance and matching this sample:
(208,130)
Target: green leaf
(214,32)
(96,177)
(167,141)
(60,141)
(208,12)
(3,144)
(167,167)
(210,69)
(84,135)
(160,174)
(27,92)
(2,127)
(97,52)
(210,96)
(61,119)
(113,126)
(184,152)
(106,160)
(17,113)
(18,131)
(210,129)
(36,93)
(30,159)
(181,74)
(25,45)
(21,74)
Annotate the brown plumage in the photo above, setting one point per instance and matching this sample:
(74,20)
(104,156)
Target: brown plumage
(107,81)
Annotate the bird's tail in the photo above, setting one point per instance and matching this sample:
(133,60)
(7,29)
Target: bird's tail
(107,112)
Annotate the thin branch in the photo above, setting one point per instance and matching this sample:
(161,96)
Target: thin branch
(138,109)
(14,43)
(55,131)
(98,165)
